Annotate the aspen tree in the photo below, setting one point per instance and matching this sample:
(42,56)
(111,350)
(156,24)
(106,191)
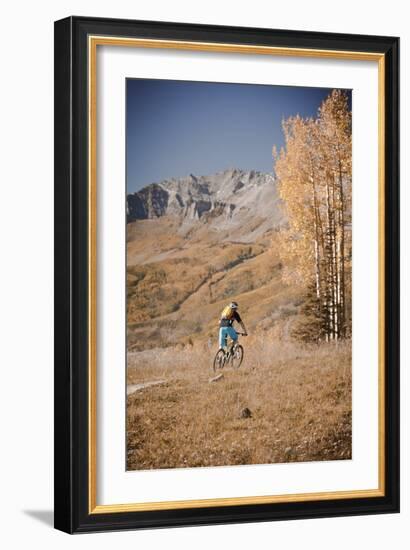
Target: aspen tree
(314,181)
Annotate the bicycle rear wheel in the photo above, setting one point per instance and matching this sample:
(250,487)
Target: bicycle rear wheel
(219,360)
(237,356)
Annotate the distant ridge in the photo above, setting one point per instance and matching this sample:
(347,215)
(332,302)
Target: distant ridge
(228,197)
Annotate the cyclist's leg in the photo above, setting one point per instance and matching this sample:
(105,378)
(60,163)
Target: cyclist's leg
(222,337)
(232,335)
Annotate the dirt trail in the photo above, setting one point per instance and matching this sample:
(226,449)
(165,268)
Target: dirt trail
(132,388)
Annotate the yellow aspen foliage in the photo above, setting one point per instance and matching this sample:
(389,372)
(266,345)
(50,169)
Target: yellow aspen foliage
(314,174)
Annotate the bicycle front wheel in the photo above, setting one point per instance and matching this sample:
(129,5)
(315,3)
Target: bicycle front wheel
(237,356)
(219,360)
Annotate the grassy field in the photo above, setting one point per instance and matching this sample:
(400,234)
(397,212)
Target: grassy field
(179,278)
(299,398)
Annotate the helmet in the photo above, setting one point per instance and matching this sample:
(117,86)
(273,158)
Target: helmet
(233,305)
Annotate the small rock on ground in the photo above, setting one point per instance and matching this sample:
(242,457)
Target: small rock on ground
(246,413)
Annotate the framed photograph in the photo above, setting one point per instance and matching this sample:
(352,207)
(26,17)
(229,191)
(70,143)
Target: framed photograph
(226,274)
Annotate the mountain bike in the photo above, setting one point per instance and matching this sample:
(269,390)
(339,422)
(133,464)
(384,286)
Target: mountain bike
(232,355)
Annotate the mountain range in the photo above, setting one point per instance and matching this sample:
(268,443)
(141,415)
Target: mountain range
(227,200)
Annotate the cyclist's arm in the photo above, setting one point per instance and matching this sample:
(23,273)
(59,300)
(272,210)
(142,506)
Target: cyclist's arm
(239,320)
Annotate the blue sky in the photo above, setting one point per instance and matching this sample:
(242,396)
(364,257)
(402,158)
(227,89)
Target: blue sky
(176,128)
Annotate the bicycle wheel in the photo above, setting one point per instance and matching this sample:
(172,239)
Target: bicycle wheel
(237,356)
(219,360)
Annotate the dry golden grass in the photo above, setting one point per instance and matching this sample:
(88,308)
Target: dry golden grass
(175,295)
(161,286)
(299,397)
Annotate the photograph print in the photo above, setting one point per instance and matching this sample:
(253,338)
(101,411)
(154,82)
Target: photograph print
(239,274)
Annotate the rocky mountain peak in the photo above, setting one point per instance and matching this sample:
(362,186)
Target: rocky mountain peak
(231,194)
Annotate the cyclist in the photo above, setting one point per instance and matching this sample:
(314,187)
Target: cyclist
(228,316)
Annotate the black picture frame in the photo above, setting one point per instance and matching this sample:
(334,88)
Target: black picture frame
(71,490)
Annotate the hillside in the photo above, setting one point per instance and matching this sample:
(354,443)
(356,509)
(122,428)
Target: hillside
(196,243)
